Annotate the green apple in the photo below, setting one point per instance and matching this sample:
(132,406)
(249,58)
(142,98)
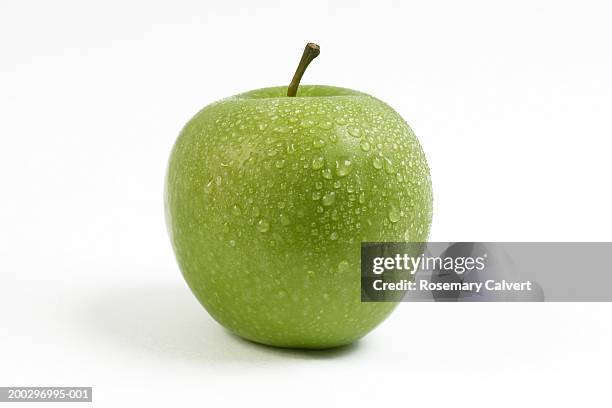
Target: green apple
(268,198)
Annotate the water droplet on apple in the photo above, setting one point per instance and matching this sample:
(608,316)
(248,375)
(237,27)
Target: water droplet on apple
(232,243)
(209,186)
(263,226)
(316,195)
(343,267)
(394,214)
(328,198)
(354,131)
(389,166)
(326,125)
(318,143)
(343,167)
(290,148)
(307,123)
(236,210)
(365,145)
(318,162)
(377,163)
(327,174)
(333,236)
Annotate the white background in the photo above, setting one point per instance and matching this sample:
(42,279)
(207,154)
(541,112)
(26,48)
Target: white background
(511,102)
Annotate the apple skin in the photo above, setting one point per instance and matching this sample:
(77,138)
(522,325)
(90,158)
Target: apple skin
(268,198)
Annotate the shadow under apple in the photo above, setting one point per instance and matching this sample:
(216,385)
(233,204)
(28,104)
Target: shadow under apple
(168,321)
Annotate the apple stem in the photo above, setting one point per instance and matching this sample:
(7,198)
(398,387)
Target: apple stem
(311,52)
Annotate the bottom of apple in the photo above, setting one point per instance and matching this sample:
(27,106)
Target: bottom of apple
(297,331)
(298,345)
